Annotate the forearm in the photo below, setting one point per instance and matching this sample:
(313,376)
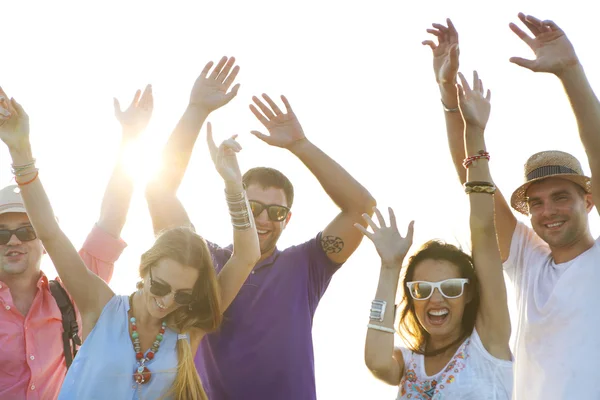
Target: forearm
(586,109)
(117,198)
(246,253)
(454,128)
(179,147)
(347,193)
(482,204)
(379,346)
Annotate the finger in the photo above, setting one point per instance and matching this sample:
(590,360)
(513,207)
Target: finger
(530,19)
(392,218)
(117,106)
(287,105)
(218,68)
(146,99)
(232,93)
(435,32)
(379,217)
(522,62)
(258,115)
(207,68)
(460,93)
(212,147)
(3,93)
(364,231)
(231,77)
(17,108)
(268,113)
(452,32)
(440,27)
(521,34)
(261,136)
(136,98)
(463,82)
(553,26)
(488,96)
(410,231)
(225,71)
(429,43)
(370,222)
(272,104)
(532,25)
(476,82)
(4,112)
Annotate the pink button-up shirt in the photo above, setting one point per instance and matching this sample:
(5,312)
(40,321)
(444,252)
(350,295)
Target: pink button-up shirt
(32,362)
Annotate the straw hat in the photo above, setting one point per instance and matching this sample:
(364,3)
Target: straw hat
(547,164)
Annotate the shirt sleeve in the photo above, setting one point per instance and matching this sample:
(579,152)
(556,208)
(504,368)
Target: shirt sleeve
(220,255)
(100,251)
(526,249)
(320,269)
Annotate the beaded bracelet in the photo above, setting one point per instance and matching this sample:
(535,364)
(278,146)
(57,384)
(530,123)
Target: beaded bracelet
(481,154)
(381,328)
(450,110)
(480,189)
(29,181)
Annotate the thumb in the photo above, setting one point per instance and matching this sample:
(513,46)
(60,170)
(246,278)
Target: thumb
(522,62)
(212,147)
(18,108)
(232,93)
(454,56)
(117,106)
(263,137)
(410,231)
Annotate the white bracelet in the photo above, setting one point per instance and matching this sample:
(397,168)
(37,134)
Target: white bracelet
(381,328)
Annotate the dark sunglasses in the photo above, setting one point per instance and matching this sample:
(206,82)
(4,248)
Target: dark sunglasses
(162,289)
(275,212)
(450,288)
(24,234)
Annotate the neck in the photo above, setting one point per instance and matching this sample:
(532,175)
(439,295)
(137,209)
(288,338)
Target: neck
(439,342)
(140,311)
(23,288)
(266,255)
(573,250)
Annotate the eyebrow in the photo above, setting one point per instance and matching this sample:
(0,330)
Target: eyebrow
(557,193)
(20,225)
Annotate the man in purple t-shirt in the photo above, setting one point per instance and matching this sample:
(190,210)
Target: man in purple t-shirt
(264,349)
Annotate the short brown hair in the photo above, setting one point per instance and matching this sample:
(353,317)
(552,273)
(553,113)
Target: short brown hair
(270,177)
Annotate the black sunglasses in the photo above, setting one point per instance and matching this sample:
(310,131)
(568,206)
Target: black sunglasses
(162,289)
(24,234)
(275,212)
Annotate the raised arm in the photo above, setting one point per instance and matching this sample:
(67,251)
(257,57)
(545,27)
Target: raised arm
(492,321)
(209,93)
(89,291)
(445,68)
(117,197)
(339,239)
(555,54)
(246,250)
(385,362)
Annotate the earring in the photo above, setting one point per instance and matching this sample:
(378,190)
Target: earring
(139,285)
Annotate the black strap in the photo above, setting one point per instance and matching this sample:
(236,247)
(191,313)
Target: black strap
(69,321)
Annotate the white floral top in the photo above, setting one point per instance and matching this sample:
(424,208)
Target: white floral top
(471,374)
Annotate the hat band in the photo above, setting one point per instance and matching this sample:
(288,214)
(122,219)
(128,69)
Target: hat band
(548,170)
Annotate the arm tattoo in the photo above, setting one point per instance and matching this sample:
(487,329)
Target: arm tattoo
(332,244)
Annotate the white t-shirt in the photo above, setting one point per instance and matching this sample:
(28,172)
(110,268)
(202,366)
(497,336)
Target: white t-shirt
(557,351)
(471,374)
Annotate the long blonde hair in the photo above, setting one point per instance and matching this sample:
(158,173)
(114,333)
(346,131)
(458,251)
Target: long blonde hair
(188,249)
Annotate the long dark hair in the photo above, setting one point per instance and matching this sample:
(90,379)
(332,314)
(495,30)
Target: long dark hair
(409,327)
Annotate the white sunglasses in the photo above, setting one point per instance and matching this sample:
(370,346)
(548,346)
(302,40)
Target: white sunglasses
(450,288)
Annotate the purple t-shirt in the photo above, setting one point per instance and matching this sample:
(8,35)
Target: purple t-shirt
(264,348)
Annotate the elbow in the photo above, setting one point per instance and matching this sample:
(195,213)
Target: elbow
(376,365)
(368,204)
(483,224)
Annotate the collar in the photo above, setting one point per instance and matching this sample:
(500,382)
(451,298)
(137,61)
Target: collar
(267,262)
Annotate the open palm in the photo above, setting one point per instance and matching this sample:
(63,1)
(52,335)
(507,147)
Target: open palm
(212,91)
(14,122)
(445,53)
(284,128)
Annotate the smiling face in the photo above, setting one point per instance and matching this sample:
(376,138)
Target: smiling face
(167,272)
(439,316)
(268,231)
(18,256)
(559,211)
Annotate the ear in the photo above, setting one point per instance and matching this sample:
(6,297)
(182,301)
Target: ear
(287,220)
(589,202)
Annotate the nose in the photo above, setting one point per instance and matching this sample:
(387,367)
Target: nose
(14,240)
(262,217)
(548,209)
(436,296)
(168,300)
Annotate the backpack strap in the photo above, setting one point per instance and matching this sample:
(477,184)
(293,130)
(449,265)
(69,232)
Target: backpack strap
(69,321)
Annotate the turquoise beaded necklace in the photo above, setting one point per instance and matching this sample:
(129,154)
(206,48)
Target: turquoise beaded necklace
(142,374)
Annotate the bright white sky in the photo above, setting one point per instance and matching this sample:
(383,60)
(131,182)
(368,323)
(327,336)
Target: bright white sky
(359,80)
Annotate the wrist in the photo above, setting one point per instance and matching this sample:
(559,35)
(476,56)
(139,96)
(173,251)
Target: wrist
(392,265)
(234,187)
(298,145)
(198,110)
(21,154)
(571,72)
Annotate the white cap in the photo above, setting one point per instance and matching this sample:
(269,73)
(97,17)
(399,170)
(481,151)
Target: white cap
(11,200)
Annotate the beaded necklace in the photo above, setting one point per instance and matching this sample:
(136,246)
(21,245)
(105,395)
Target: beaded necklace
(142,374)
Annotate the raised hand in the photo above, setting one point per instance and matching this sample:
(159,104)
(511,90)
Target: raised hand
(212,91)
(445,53)
(474,107)
(553,51)
(284,129)
(14,123)
(224,157)
(137,116)
(390,245)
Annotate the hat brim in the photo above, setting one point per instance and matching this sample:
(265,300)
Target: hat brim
(13,208)
(518,200)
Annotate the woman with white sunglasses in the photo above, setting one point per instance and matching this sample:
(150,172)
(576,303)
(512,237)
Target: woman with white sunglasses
(453,318)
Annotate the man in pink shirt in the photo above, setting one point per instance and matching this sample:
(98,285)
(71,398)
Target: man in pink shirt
(32,362)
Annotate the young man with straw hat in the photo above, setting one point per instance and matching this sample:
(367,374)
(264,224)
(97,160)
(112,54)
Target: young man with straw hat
(555,265)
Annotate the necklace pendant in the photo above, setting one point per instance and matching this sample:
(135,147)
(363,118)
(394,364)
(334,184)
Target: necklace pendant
(142,375)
